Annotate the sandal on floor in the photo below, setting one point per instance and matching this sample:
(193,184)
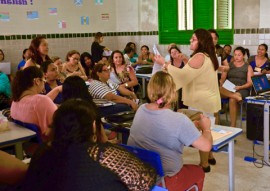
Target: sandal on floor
(212,161)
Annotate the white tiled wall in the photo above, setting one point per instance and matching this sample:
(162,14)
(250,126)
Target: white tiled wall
(59,47)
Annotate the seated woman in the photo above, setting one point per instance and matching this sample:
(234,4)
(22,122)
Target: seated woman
(121,73)
(168,56)
(73,67)
(134,57)
(260,63)
(227,52)
(28,104)
(51,75)
(156,127)
(25,56)
(87,63)
(74,88)
(58,62)
(239,74)
(5,91)
(103,88)
(76,159)
(146,57)
(178,60)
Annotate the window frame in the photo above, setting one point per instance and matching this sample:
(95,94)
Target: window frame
(203,17)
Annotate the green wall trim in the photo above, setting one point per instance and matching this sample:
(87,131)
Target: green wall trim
(76,35)
(139,33)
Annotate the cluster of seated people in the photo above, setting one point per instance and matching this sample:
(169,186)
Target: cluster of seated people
(76,155)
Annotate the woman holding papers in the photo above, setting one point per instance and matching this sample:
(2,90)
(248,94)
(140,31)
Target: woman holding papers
(240,75)
(199,81)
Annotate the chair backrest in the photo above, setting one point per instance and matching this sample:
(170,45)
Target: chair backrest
(32,127)
(150,157)
(153,159)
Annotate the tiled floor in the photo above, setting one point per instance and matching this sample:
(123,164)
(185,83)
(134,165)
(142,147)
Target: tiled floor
(248,177)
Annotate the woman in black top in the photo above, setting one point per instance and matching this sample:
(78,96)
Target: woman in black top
(96,49)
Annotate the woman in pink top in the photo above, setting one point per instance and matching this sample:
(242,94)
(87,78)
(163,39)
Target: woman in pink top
(28,105)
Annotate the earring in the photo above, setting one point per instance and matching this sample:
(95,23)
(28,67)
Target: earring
(94,138)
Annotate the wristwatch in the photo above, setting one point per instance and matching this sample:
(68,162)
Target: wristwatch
(126,84)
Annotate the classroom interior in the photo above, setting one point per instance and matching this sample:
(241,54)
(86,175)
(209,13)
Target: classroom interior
(123,21)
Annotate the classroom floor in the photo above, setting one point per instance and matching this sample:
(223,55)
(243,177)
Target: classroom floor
(248,177)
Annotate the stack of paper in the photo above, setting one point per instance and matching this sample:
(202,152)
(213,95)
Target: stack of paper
(229,86)
(219,133)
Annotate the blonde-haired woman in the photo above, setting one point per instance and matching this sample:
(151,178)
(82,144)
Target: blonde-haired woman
(156,127)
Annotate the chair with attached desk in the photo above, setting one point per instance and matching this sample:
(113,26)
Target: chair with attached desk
(35,142)
(153,159)
(225,101)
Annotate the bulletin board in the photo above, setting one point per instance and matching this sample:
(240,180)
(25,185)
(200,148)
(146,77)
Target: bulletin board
(56,16)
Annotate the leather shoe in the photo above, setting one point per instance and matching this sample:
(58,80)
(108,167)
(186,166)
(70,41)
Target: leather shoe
(212,161)
(206,169)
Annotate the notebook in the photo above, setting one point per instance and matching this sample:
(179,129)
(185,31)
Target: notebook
(5,67)
(261,85)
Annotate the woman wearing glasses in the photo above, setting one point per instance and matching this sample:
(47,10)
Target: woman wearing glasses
(73,67)
(199,81)
(103,88)
(28,104)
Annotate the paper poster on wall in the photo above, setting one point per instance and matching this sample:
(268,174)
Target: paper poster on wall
(105,16)
(62,24)
(78,2)
(32,15)
(84,20)
(99,2)
(52,11)
(4,16)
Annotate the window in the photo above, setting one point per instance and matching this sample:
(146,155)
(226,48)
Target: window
(178,19)
(185,14)
(222,14)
